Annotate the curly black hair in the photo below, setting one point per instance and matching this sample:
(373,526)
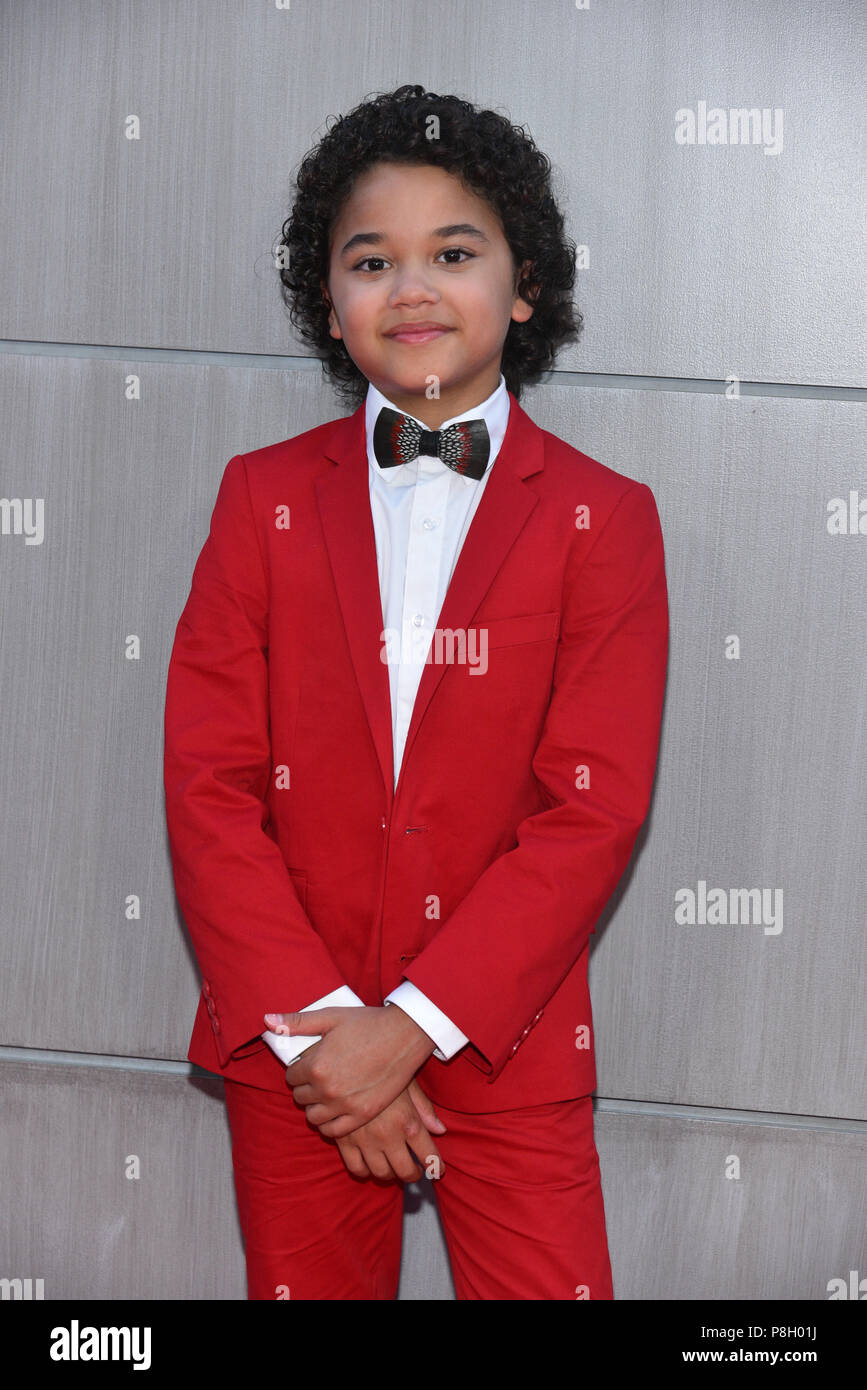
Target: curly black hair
(494,159)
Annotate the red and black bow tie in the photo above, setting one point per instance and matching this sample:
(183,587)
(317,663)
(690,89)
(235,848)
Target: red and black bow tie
(464,447)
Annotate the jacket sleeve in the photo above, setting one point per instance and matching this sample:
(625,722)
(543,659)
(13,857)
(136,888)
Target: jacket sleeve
(255,946)
(528,917)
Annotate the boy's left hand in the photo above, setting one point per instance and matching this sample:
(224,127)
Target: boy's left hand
(365,1059)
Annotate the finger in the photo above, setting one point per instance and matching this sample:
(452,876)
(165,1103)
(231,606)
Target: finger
(310,1093)
(378,1164)
(429,1160)
(323,1115)
(404,1163)
(303,1024)
(295,1080)
(424,1149)
(277,1023)
(354,1161)
(425,1109)
(304,1092)
(340,1126)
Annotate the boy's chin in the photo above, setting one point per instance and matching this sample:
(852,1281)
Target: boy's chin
(415,384)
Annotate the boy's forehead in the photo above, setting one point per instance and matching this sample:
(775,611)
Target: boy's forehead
(435,194)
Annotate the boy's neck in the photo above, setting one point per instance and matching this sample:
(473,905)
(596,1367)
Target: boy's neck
(457,401)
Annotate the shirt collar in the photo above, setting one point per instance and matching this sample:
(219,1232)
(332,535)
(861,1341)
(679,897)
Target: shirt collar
(494,411)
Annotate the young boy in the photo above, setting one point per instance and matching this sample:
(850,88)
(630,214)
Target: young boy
(412,720)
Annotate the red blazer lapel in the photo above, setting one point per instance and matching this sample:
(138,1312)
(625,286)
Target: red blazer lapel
(343,498)
(343,495)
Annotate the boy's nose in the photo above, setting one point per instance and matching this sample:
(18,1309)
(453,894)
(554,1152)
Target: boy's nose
(412,293)
(412,282)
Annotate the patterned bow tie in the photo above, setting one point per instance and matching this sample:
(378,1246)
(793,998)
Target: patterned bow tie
(398,438)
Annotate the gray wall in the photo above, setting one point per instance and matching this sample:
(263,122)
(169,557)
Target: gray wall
(150,258)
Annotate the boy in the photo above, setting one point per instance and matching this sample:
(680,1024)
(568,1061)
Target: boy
(412,720)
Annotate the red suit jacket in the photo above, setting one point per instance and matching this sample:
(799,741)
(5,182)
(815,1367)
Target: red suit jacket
(299,867)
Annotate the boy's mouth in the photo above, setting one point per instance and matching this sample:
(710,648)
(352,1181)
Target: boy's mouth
(417,332)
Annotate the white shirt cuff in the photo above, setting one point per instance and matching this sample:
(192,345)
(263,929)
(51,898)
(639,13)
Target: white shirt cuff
(288,1048)
(448,1037)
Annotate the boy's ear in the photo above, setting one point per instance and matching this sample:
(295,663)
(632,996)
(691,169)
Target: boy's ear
(522,309)
(332,317)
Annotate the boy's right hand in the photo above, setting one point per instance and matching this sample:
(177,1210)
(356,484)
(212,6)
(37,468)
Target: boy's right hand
(381,1148)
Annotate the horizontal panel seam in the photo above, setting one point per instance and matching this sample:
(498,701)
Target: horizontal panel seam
(603,1104)
(561,376)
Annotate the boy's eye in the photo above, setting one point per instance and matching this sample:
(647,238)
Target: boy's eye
(449,251)
(456,251)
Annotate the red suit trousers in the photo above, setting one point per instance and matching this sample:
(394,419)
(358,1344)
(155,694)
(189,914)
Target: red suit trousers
(519,1199)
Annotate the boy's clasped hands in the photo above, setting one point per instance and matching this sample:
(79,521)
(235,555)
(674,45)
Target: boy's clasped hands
(358,1087)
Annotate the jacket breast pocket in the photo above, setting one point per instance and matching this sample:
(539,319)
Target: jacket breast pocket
(524,628)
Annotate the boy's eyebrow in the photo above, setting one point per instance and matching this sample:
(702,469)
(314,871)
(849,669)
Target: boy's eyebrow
(453,229)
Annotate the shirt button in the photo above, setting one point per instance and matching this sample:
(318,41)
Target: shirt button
(428,523)
(418,620)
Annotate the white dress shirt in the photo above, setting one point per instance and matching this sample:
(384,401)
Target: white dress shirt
(421,513)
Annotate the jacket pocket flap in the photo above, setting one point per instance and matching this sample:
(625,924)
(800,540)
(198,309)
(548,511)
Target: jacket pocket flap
(526,627)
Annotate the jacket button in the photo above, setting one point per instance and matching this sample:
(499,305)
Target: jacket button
(206,987)
(216,1023)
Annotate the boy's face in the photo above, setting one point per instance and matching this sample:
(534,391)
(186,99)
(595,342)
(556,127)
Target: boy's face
(404,266)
